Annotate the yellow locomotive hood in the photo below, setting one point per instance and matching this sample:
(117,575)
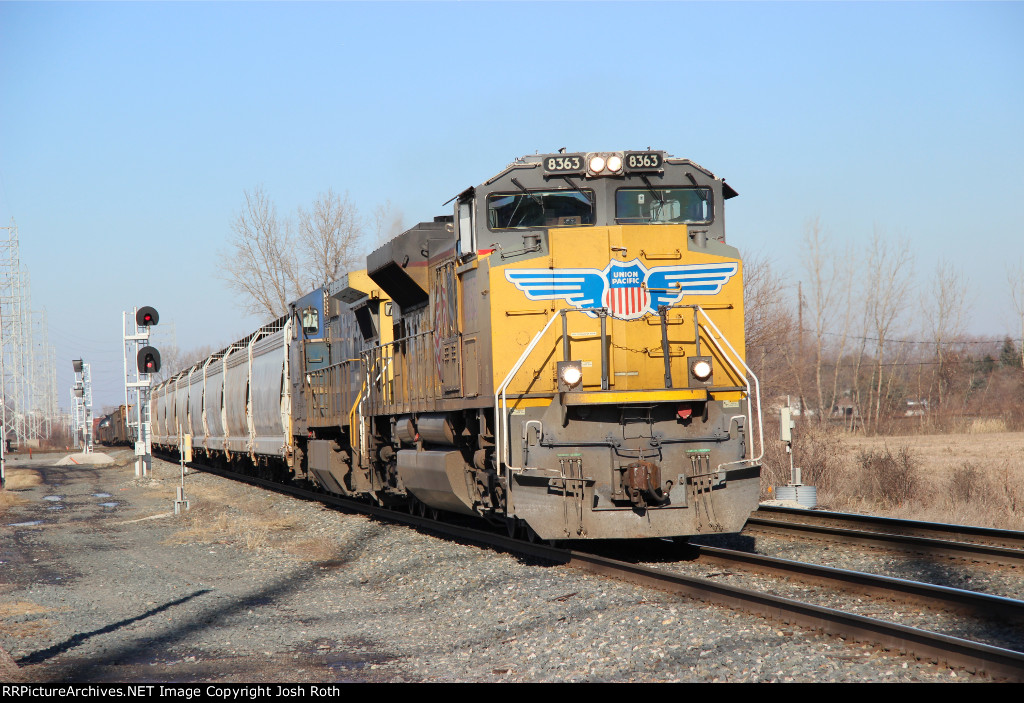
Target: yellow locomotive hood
(635,273)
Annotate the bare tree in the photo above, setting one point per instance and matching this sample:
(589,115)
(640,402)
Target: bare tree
(271,261)
(1015,277)
(831,276)
(769,322)
(945,309)
(387,222)
(889,280)
(330,234)
(261,264)
(170,362)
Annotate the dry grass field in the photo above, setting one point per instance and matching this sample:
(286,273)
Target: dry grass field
(219,517)
(974,478)
(12,619)
(17,480)
(20,479)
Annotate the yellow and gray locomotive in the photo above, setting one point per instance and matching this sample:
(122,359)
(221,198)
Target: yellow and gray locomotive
(564,353)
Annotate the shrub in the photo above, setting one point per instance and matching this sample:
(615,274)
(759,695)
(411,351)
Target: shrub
(987,425)
(817,449)
(967,484)
(890,479)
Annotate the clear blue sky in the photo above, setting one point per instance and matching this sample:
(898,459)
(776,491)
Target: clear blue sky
(128,131)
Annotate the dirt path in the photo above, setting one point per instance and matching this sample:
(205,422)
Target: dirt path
(95,586)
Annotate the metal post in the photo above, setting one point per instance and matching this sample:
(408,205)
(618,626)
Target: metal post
(180,499)
(566,353)
(663,314)
(124,361)
(81,397)
(140,387)
(603,314)
(87,405)
(144,427)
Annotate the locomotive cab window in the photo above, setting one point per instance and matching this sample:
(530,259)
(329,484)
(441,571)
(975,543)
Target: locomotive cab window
(540,208)
(310,320)
(642,206)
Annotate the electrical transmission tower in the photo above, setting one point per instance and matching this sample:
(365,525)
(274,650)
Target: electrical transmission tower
(28,369)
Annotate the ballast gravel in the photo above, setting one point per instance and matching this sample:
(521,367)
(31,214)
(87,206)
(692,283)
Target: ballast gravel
(108,584)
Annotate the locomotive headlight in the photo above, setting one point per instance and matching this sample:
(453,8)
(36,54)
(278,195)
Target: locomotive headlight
(597,164)
(570,373)
(701,369)
(614,164)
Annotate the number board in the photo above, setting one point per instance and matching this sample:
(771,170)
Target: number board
(643,161)
(565,163)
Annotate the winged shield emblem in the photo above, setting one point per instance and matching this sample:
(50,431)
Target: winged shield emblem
(629,290)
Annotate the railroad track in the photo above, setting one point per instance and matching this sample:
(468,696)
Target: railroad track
(978,544)
(922,644)
(900,590)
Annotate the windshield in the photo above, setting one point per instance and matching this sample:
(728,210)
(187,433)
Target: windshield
(539,208)
(663,205)
(310,320)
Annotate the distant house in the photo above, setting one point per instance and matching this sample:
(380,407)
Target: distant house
(916,408)
(785,401)
(844,409)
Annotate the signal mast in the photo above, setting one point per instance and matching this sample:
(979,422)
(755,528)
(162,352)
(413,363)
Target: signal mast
(147,363)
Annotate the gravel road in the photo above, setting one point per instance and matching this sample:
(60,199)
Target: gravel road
(101,582)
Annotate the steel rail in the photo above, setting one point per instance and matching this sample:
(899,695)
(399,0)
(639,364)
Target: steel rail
(957,533)
(971,551)
(946,597)
(922,644)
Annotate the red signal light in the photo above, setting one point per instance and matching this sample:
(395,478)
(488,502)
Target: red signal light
(148,360)
(146,316)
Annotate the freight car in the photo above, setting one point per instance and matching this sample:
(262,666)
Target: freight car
(563,354)
(112,429)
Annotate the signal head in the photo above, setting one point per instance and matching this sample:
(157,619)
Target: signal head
(148,360)
(146,316)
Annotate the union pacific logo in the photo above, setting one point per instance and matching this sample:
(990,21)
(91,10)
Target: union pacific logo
(629,290)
